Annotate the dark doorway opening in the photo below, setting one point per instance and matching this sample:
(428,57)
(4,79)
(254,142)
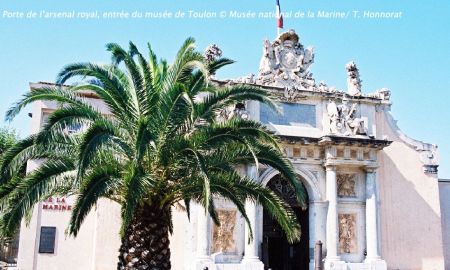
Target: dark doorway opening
(278,253)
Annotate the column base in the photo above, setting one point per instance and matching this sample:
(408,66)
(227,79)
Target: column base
(366,265)
(372,259)
(376,263)
(204,262)
(252,264)
(311,264)
(334,264)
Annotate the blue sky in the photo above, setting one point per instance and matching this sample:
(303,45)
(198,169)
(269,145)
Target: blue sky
(408,55)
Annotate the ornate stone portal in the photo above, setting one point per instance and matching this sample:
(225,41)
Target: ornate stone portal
(223,235)
(337,141)
(347,233)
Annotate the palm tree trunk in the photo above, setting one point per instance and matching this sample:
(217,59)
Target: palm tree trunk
(145,244)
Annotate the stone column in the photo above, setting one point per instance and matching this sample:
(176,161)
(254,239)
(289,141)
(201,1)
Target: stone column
(251,258)
(312,231)
(202,237)
(317,225)
(371,215)
(332,218)
(251,248)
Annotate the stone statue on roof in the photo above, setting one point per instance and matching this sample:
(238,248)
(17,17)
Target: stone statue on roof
(353,80)
(212,52)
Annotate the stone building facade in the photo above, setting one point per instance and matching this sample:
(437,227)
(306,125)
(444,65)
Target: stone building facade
(373,192)
(444,195)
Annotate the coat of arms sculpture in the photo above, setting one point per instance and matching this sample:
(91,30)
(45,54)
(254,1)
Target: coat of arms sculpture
(285,63)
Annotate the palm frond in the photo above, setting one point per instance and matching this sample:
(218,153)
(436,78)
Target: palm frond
(43,94)
(220,99)
(35,187)
(97,184)
(98,136)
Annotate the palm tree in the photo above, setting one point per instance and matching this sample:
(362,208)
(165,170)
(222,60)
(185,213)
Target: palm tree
(161,145)
(8,243)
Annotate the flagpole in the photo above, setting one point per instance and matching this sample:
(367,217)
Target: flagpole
(277,12)
(279,18)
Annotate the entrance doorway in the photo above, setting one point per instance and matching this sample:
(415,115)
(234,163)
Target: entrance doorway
(277,252)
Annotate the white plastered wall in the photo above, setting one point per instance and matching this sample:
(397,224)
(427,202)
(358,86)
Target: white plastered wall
(411,236)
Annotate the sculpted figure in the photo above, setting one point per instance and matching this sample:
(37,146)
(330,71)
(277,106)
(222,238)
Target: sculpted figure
(308,59)
(298,47)
(225,114)
(323,87)
(289,93)
(212,52)
(354,125)
(223,235)
(383,93)
(347,233)
(346,185)
(267,63)
(250,78)
(333,115)
(240,111)
(344,109)
(353,80)
(343,119)
(268,67)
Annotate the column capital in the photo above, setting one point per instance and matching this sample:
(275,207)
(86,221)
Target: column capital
(318,202)
(330,167)
(371,168)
